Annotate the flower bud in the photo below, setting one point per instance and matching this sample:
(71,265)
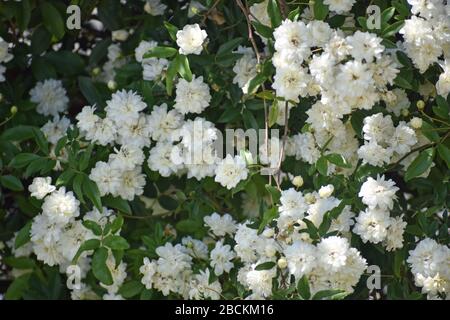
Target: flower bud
(112,85)
(120,35)
(309,198)
(405,112)
(282,263)
(326,191)
(14,110)
(420,105)
(96,71)
(297,181)
(1,97)
(416,123)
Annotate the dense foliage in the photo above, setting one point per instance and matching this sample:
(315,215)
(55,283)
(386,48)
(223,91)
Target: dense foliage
(112,184)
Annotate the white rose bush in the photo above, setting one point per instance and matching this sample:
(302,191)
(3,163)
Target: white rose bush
(212,149)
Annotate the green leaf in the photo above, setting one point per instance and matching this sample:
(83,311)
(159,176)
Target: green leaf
(65,177)
(322,165)
(23,159)
(172,30)
(23,236)
(303,288)
(66,62)
(338,160)
(99,51)
(262,30)
(273,113)
(116,242)
(320,10)
(387,15)
(99,267)
(22,263)
(88,245)
(17,288)
(170,75)
(118,204)
(229,115)
(85,157)
(330,294)
(274,193)
(429,131)
(40,40)
(40,140)
(91,190)
(274,13)
(249,120)
(52,20)
(168,202)
(268,217)
(188,226)
(444,153)
(23,15)
(161,52)
(116,224)
(256,82)
(131,288)
(93,226)
(77,187)
(184,69)
(403,83)
(229,46)
(392,29)
(90,92)
(265,266)
(11,182)
(420,164)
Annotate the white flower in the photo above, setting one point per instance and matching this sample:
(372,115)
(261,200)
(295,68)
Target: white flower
(220,225)
(124,107)
(195,248)
(259,11)
(260,282)
(340,6)
(163,122)
(202,289)
(154,7)
(50,96)
(148,270)
(332,252)
(378,193)
(230,171)
(5,56)
(127,158)
(301,258)
(365,46)
(394,239)
(143,48)
(153,68)
(61,206)
(41,187)
(372,225)
(290,83)
(160,160)
(87,121)
(2,71)
(131,184)
(136,133)
(172,259)
(190,39)
(56,129)
(192,97)
(221,257)
(245,69)
(106,178)
(292,204)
